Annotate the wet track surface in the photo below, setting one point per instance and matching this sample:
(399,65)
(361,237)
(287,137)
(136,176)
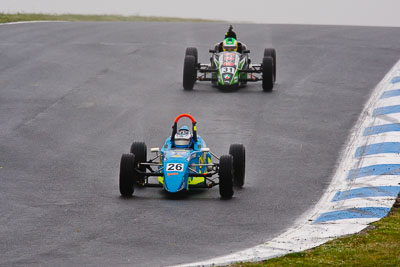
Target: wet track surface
(73,96)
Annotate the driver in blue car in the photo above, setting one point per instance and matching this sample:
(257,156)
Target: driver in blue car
(183,138)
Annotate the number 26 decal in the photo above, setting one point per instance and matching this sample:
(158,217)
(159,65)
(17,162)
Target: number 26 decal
(175,167)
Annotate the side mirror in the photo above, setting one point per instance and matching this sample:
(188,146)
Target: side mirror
(205,149)
(211,51)
(155,149)
(246,51)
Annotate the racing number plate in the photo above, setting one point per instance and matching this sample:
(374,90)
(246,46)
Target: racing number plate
(228,70)
(175,167)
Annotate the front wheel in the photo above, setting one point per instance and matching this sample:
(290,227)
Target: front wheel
(268,74)
(226,176)
(189,72)
(139,150)
(192,51)
(270,52)
(238,153)
(127,175)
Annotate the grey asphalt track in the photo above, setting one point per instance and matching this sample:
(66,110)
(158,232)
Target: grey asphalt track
(73,96)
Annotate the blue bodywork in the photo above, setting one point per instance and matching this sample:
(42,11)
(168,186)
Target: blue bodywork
(175,165)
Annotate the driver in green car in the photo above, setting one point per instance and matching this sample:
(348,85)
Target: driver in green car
(230,33)
(230,41)
(230,45)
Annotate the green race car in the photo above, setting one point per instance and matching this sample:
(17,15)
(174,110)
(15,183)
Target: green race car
(230,67)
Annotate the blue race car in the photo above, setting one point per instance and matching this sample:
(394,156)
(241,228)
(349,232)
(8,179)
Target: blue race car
(183,162)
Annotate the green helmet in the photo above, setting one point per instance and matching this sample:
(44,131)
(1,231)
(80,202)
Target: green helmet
(230,44)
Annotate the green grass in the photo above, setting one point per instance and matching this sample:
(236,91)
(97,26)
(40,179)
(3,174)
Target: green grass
(4,18)
(378,245)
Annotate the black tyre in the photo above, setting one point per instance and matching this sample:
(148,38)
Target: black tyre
(214,76)
(189,72)
(139,149)
(268,74)
(243,76)
(226,176)
(270,52)
(238,153)
(127,175)
(192,51)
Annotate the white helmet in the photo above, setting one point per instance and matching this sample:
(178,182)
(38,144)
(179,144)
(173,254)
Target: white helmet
(183,138)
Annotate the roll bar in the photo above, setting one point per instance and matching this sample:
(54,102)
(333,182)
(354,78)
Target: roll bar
(175,127)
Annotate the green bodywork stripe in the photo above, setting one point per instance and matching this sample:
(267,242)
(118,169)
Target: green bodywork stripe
(233,77)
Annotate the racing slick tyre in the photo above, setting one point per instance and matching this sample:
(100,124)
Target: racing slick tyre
(268,74)
(139,149)
(238,153)
(192,51)
(243,76)
(225,173)
(214,75)
(189,72)
(270,52)
(127,175)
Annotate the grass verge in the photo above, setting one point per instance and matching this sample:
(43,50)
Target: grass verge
(378,245)
(4,18)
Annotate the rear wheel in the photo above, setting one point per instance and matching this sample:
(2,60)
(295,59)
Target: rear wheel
(244,77)
(238,153)
(226,176)
(189,72)
(214,75)
(139,149)
(192,51)
(268,74)
(270,52)
(126,175)
(215,78)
